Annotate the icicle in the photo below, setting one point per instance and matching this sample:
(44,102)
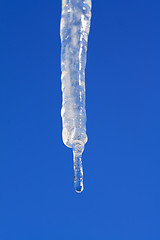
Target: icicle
(74,30)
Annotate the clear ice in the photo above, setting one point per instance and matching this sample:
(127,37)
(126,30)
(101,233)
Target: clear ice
(74,31)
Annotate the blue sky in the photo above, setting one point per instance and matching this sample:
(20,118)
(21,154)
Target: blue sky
(121,159)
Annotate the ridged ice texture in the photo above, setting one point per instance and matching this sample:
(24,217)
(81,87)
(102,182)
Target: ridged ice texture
(75,25)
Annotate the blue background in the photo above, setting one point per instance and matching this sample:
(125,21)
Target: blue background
(121,159)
